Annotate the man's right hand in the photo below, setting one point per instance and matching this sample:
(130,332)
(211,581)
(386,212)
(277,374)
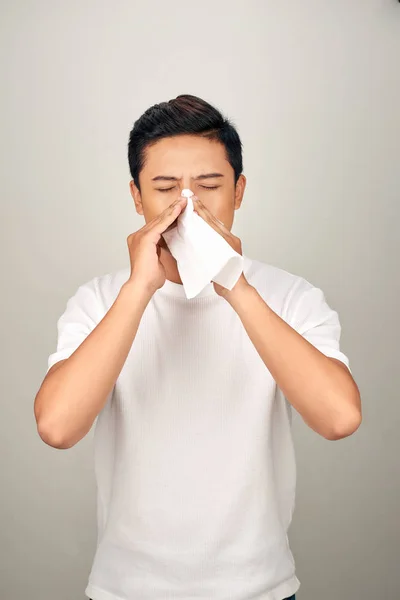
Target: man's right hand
(144,248)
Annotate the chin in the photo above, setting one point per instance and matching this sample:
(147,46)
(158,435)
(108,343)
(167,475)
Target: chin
(164,247)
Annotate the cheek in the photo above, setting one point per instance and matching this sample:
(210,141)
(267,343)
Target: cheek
(220,205)
(156,203)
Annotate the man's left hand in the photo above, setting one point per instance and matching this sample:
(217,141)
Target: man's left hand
(232,240)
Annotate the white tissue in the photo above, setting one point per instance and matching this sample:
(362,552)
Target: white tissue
(187,193)
(202,254)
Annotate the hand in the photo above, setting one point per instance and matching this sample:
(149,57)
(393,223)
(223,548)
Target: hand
(232,240)
(144,248)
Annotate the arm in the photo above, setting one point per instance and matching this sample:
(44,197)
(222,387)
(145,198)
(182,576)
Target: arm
(74,392)
(319,387)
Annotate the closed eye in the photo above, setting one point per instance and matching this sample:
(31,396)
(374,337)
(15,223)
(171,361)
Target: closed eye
(205,187)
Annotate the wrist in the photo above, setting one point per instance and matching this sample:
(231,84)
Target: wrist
(137,290)
(240,294)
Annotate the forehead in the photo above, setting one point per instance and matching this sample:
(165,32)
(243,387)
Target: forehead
(185,154)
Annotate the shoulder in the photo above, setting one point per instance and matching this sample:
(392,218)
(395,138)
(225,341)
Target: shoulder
(280,288)
(108,286)
(260,271)
(98,293)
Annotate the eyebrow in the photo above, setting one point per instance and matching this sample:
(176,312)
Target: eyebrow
(209,176)
(199,177)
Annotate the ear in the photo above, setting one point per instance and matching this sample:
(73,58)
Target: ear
(239,190)
(137,198)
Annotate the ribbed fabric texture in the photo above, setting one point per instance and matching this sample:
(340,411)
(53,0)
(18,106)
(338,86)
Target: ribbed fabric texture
(194,459)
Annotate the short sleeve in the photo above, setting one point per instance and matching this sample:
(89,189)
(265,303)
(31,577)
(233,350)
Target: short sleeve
(316,321)
(78,320)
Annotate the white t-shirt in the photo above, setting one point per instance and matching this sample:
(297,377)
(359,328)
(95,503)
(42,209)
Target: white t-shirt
(194,458)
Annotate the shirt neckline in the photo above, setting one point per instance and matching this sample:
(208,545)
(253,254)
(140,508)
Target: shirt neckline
(176,289)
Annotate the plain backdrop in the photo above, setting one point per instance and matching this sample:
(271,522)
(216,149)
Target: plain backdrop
(314,89)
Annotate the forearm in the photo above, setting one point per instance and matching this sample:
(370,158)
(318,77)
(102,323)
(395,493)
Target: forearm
(323,392)
(71,397)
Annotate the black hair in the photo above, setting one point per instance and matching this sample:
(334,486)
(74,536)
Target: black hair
(184,114)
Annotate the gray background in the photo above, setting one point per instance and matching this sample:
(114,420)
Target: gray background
(314,89)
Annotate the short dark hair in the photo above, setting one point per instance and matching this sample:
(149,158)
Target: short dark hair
(184,114)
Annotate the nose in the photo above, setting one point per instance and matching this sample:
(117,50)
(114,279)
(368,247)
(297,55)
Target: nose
(185,183)
(187,192)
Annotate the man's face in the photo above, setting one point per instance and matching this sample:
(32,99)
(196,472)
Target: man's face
(188,161)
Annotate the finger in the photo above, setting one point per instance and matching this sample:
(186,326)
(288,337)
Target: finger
(148,226)
(209,217)
(168,216)
(223,226)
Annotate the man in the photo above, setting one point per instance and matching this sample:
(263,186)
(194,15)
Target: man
(192,399)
